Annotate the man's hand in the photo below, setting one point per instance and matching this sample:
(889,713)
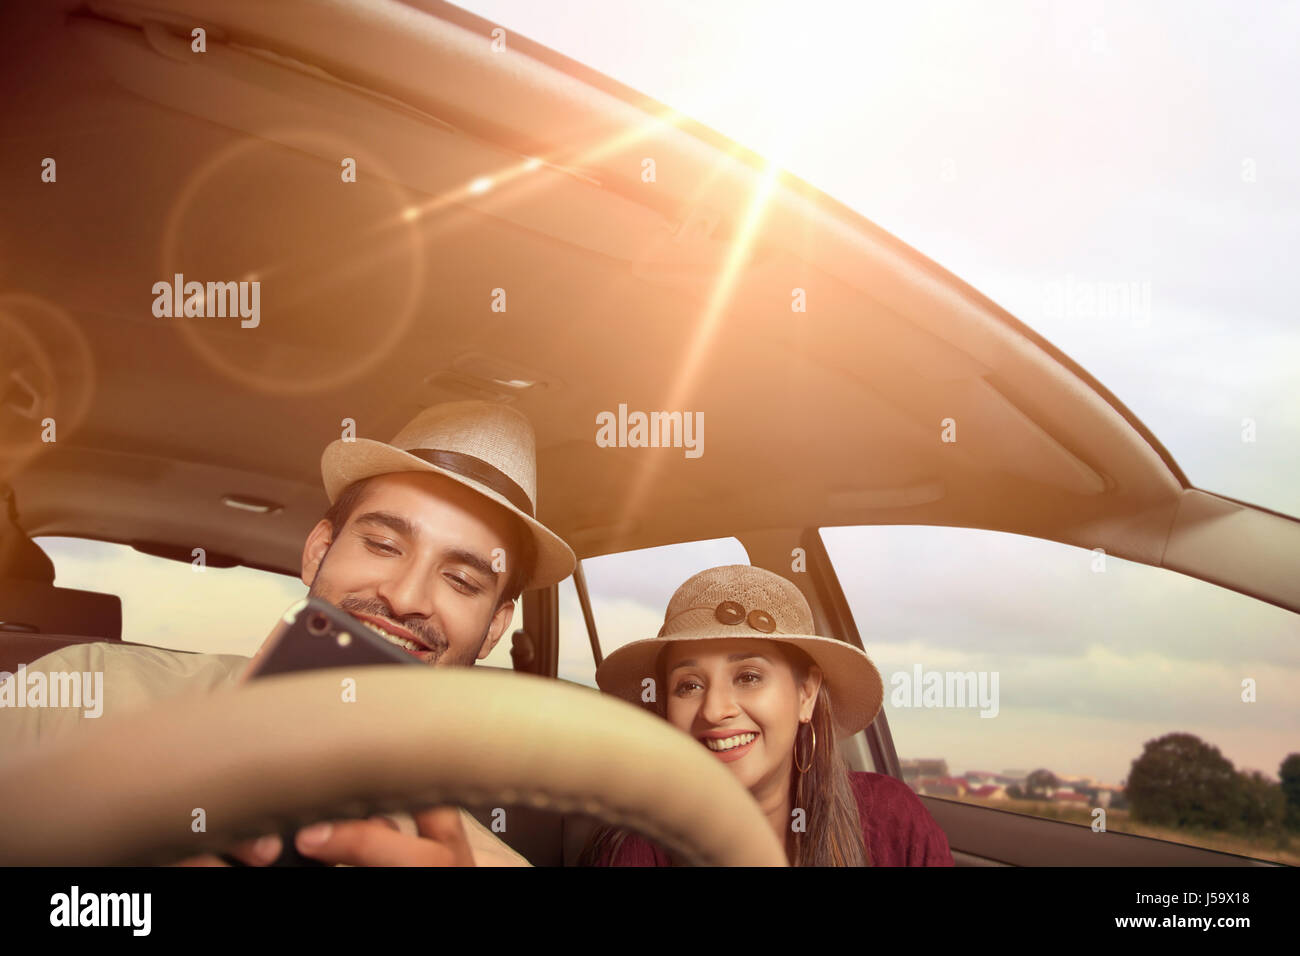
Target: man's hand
(441,841)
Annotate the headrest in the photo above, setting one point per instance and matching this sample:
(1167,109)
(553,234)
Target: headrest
(20,556)
(35,608)
(23,558)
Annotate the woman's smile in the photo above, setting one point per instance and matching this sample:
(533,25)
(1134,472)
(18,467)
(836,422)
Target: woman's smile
(729,745)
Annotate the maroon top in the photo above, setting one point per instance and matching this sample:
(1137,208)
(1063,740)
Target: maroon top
(896,828)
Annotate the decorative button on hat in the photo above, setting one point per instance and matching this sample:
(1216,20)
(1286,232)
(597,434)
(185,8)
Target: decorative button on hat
(728,612)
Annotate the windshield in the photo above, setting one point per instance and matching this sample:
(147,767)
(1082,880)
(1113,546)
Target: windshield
(1115,177)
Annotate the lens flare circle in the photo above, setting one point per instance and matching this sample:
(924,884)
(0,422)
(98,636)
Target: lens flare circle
(364,359)
(37,332)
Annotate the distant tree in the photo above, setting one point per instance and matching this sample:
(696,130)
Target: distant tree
(1038,783)
(1289,772)
(1181,781)
(1015,793)
(1261,805)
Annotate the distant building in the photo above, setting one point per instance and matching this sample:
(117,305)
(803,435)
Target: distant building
(1078,784)
(941,786)
(914,770)
(1104,795)
(1111,797)
(1069,796)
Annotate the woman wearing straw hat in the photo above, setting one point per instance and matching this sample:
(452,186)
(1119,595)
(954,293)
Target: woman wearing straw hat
(737,666)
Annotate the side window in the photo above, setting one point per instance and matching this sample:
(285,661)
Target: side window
(1044,679)
(175,604)
(629,593)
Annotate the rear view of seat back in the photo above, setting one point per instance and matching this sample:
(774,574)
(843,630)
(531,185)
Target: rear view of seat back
(35,616)
(36,619)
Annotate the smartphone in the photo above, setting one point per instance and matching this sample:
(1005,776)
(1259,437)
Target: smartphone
(314,635)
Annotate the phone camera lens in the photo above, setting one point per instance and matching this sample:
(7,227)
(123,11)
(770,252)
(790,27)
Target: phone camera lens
(318,624)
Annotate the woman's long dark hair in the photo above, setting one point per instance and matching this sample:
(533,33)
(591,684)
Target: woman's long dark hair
(832,833)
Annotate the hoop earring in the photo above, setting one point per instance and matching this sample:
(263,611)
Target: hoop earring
(803,770)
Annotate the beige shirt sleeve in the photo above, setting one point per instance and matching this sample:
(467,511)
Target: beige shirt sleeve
(115,679)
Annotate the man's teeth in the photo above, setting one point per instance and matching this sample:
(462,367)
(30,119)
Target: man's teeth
(393,638)
(728,743)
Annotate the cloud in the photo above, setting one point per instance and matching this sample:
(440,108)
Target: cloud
(1004,595)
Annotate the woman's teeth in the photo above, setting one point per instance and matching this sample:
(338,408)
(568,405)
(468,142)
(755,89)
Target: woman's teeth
(728,743)
(393,638)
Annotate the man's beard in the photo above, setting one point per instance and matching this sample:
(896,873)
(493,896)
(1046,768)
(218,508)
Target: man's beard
(424,630)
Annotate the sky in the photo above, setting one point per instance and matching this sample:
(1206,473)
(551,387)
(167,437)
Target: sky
(1031,149)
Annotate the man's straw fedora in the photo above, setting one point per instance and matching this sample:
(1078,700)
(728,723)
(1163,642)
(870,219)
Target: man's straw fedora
(489,448)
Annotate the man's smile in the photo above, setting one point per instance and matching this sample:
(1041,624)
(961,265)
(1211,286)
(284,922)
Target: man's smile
(395,634)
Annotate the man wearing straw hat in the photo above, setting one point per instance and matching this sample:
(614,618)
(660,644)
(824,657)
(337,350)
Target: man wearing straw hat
(429,539)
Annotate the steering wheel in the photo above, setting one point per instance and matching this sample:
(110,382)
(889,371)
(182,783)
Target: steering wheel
(283,752)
